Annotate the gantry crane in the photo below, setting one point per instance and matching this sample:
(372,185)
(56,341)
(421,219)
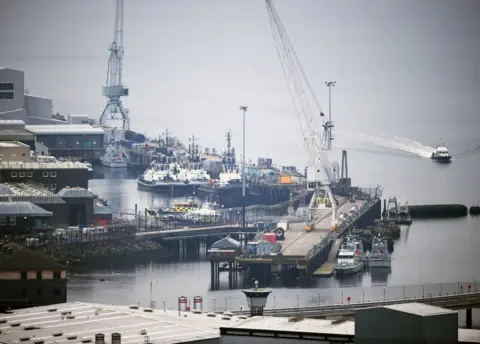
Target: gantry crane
(114,88)
(317,141)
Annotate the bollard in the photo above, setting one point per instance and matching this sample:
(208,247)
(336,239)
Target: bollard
(164,306)
(318,299)
(214,308)
(99,338)
(273,301)
(384,294)
(458,287)
(342,297)
(441,289)
(298,301)
(404,293)
(423,291)
(116,338)
(363,296)
(226,304)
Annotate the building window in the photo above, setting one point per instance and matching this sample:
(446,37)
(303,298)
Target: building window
(14,174)
(7,95)
(24,275)
(45,174)
(13,221)
(30,174)
(53,186)
(39,275)
(21,174)
(53,174)
(3,221)
(45,186)
(7,86)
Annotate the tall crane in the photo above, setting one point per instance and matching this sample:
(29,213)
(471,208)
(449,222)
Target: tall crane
(317,141)
(114,88)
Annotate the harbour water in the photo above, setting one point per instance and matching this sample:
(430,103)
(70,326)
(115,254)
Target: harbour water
(429,252)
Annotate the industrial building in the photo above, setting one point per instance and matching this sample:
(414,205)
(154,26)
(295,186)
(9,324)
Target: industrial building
(29,279)
(70,140)
(17,104)
(14,130)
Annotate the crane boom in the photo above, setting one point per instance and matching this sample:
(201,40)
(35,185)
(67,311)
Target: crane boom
(319,176)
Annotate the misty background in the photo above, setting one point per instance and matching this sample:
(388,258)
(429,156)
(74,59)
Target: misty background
(408,68)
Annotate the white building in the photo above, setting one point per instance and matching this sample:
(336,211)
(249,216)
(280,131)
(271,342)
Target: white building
(17,104)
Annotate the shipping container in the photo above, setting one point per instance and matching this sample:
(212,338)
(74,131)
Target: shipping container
(270,237)
(285,180)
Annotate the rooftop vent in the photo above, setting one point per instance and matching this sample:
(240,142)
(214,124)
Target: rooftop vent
(38,341)
(86,340)
(51,309)
(57,333)
(15,323)
(24,338)
(72,336)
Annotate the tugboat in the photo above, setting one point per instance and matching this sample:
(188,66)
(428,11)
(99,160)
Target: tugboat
(441,153)
(475,209)
(404,217)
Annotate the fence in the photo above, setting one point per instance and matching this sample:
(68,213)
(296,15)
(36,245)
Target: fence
(290,300)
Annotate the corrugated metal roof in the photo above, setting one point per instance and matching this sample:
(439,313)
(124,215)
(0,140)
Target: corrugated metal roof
(226,243)
(15,134)
(22,208)
(42,199)
(65,129)
(75,192)
(100,209)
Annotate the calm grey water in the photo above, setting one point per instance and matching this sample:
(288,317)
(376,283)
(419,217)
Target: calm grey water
(429,252)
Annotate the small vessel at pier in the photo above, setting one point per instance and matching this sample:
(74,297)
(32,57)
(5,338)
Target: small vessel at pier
(441,153)
(404,217)
(115,156)
(379,256)
(350,257)
(180,207)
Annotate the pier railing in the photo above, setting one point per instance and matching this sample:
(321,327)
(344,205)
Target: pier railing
(311,302)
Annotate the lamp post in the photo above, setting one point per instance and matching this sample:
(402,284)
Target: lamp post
(243,108)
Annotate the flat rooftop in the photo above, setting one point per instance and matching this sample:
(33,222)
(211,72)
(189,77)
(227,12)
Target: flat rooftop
(11,144)
(162,327)
(313,329)
(64,129)
(33,165)
(419,309)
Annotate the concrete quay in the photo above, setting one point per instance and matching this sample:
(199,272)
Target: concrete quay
(307,251)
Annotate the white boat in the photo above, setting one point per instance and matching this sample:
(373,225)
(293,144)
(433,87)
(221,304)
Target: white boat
(441,153)
(115,156)
(350,257)
(379,257)
(207,210)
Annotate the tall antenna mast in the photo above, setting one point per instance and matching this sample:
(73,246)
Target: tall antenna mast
(114,88)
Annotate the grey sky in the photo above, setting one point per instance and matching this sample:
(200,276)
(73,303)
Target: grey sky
(407,68)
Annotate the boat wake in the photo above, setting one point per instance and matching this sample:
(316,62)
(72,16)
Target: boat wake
(399,143)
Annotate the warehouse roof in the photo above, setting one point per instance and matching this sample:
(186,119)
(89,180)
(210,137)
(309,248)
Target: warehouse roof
(64,129)
(22,208)
(75,193)
(59,165)
(27,192)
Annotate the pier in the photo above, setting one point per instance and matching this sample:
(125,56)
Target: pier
(304,251)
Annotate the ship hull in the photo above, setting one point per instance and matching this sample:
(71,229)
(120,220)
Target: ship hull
(114,164)
(177,188)
(232,196)
(349,269)
(442,159)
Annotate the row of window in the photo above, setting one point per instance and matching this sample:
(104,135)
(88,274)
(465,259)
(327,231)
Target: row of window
(30,174)
(7,95)
(3,220)
(53,187)
(7,86)
(56,275)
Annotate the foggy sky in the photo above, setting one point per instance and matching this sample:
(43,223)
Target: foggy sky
(408,68)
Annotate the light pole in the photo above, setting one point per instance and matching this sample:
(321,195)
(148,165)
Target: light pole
(330,84)
(243,108)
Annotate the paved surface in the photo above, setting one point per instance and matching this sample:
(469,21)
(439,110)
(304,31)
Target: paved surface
(161,327)
(301,241)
